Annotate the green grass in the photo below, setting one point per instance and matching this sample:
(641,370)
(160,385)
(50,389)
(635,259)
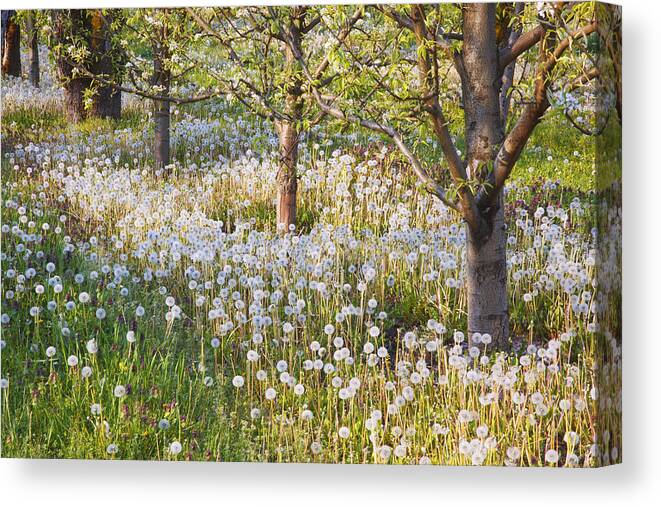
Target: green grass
(173,372)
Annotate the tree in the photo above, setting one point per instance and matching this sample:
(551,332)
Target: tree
(478,44)
(86,56)
(68,24)
(11,44)
(97,51)
(107,60)
(266,76)
(33,48)
(164,36)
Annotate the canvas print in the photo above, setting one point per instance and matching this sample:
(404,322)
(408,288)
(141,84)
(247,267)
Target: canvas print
(384,234)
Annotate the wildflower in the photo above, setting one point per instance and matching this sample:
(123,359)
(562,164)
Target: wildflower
(343,432)
(384,452)
(252,356)
(72,361)
(306,415)
(112,449)
(482,431)
(119,391)
(92,347)
(238,381)
(551,456)
(518,398)
(513,453)
(281,365)
(175,448)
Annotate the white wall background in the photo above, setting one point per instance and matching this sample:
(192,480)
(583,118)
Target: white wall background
(636,482)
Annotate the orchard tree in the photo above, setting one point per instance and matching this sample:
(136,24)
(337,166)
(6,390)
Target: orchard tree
(260,69)
(33,47)
(159,66)
(11,44)
(148,60)
(402,63)
(86,53)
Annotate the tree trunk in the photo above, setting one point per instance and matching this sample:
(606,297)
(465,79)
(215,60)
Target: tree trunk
(483,130)
(11,45)
(67,25)
(287,180)
(288,132)
(161,133)
(488,307)
(486,245)
(92,28)
(161,79)
(74,99)
(102,65)
(119,59)
(507,80)
(33,49)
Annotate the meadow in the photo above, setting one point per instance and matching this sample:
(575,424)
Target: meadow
(160,314)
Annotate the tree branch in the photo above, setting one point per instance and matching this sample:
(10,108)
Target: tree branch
(341,36)
(516,140)
(429,182)
(522,44)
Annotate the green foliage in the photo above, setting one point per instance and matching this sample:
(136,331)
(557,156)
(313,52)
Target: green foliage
(21,125)
(172,371)
(558,152)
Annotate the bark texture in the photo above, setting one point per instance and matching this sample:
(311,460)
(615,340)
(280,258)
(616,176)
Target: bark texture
(33,49)
(74,98)
(288,130)
(287,181)
(95,75)
(104,104)
(11,45)
(488,305)
(483,128)
(486,245)
(161,79)
(69,25)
